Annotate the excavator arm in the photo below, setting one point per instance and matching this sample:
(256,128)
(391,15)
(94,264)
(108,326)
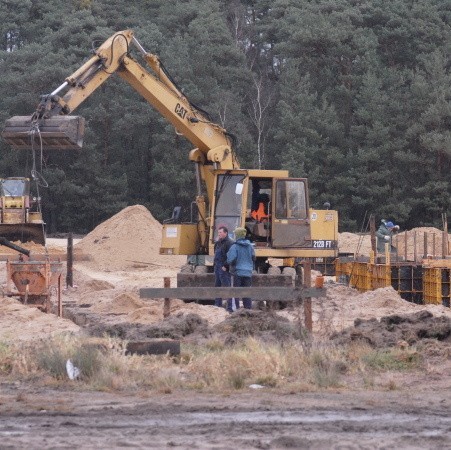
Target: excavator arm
(47,126)
(52,126)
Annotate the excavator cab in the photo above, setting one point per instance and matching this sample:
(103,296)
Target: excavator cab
(17,220)
(276,213)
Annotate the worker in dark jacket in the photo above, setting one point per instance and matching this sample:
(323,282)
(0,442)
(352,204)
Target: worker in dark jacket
(241,257)
(384,236)
(222,274)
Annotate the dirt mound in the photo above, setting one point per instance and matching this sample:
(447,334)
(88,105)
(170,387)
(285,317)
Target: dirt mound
(264,325)
(113,302)
(126,302)
(97,285)
(174,327)
(20,322)
(131,237)
(343,304)
(397,329)
(153,312)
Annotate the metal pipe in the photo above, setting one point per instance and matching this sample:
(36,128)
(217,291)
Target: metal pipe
(138,46)
(9,244)
(59,88)
(198,182)
(415,246)
(405,246)
(70,259)
(373,234)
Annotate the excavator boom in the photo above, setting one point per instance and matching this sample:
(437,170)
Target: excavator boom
(51,127)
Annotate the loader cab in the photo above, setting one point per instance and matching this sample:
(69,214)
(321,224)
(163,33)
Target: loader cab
(17,221)
(14,187)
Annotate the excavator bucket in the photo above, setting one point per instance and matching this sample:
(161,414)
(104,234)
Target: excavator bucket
(23,232)
(56,133)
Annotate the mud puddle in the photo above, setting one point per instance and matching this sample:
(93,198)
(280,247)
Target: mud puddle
(146,427)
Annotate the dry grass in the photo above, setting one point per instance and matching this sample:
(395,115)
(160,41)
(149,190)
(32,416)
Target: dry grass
(297,367)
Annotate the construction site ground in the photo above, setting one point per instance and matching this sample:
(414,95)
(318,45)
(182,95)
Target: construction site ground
(121,256)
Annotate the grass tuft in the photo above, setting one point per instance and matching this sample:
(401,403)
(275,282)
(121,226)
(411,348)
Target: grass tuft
(391,359)
(291,366)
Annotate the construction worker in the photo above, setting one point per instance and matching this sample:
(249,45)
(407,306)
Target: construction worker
(241,257)
(384,236)
(221,268)
(259,203)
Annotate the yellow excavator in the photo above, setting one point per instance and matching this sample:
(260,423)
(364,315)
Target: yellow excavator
(273,207)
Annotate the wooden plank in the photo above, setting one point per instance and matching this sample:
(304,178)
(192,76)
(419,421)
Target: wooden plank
(42,256)
(208,279)
(153,347)
(256,293)
(308,298)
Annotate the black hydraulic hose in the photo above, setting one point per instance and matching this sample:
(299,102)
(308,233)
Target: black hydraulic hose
(9,244)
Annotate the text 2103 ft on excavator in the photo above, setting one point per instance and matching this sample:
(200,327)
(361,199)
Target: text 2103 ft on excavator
(273,207)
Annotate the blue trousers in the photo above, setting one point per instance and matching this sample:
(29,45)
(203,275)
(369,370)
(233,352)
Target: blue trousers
(243,282)
(224,279)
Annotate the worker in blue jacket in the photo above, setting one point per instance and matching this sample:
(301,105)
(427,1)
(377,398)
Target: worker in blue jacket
(240,259)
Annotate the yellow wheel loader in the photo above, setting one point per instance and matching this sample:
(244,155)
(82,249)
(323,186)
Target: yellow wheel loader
(18,221)
(273,207)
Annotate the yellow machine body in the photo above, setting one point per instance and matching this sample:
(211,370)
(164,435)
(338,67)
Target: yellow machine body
(273,207)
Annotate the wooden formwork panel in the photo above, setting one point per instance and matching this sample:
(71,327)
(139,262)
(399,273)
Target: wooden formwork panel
(406,279)
(360,276)
(436,282)
(380,275)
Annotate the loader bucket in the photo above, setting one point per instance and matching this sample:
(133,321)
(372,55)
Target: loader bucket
(23,232)
(56,133)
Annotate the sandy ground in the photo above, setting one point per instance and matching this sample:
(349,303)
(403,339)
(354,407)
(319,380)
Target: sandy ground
(121,256)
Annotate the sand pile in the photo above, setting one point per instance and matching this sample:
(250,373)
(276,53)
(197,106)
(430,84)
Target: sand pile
(97,285)
(111,301)
(343,305)
(416,239)
(35,249)
(129,238)
(128,307)
(153,312)
(354,243)
(21,322)
(360,244)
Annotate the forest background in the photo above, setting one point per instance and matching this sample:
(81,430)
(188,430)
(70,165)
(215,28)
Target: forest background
(352,94)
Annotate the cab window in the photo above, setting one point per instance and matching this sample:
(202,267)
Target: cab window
(291,201)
